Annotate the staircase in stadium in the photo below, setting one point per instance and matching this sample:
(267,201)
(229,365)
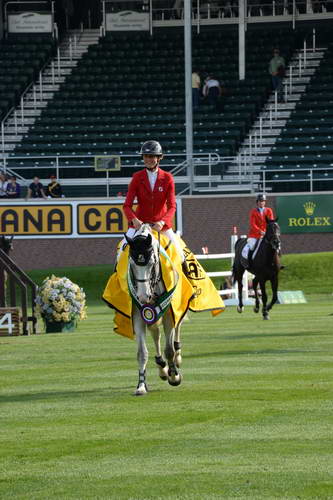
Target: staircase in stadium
(256,147)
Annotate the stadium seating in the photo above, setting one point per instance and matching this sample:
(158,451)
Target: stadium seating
(21,58)
(130,87)
(307,139)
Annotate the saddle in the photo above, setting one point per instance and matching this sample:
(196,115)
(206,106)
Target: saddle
(252,253)
(195,292)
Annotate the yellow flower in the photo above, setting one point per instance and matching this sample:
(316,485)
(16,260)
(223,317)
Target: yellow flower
(65,317)
(56,316)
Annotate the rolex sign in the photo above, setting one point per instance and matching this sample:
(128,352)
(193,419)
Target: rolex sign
(305,214)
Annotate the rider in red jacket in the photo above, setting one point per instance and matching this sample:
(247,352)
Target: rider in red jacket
(257,225)
(154,190)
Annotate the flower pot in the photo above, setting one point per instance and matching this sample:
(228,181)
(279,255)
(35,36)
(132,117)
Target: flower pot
(59,326)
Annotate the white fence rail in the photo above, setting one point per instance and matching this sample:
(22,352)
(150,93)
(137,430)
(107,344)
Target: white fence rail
(215,274)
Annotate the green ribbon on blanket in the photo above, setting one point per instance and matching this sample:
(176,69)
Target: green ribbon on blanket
(151,313)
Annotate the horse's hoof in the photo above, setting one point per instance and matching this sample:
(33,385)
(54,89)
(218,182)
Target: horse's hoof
(174,377)
(266,317)
(176,380)
(240,309)
(256,309)
(178,358)
(163,372)
(141,390)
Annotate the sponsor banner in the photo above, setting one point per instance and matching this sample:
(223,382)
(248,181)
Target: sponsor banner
(36,220)
(46,219)
(101,219)
(127,20)
(305,214)
(29,22)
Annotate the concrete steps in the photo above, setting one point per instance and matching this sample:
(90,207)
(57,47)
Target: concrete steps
(253,152)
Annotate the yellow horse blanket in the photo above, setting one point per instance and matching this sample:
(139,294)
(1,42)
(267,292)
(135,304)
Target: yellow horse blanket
(196,292)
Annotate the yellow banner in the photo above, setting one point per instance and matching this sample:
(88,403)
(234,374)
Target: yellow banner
(101,219)
(24,220)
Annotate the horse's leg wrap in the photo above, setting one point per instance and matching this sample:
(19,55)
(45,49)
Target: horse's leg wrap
(142,386)
(177,346)
(162,367)
(178,355)
(160,361)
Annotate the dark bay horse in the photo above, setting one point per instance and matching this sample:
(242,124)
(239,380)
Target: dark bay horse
(265,266)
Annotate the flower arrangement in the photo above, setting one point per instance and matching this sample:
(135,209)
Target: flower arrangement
(61,300)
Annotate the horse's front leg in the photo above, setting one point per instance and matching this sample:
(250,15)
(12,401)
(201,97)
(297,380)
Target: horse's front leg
(264,300)
(256,295)
(159,360)
(177,346)
(142,352)
(274,284)
(174,376)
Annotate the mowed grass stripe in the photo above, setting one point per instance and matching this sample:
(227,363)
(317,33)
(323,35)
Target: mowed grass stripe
(252,418)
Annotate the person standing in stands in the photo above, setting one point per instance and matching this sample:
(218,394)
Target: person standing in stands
(36,189)
(154,190)
(258,223)
(212,90)
(3,185)
(196,85)
(54,189)
(276,69)
(13,189)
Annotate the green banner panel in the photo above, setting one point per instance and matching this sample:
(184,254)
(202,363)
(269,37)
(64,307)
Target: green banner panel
(305,214)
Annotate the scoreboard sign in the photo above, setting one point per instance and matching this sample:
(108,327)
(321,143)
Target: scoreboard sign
(65,219)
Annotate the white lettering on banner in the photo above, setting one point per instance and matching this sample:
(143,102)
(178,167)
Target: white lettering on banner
(30,22)
(127,21)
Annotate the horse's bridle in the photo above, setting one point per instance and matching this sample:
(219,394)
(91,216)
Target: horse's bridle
(155,276)
(274,240)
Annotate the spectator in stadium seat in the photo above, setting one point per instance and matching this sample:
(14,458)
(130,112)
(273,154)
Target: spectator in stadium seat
(196,85)
(13,188)
(277,71)
(54,189)
(3,185)
(36,189)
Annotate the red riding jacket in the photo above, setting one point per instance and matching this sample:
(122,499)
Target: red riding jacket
(258,221)
(153,206)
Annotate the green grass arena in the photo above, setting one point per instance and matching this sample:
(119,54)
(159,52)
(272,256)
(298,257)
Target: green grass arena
(251,419)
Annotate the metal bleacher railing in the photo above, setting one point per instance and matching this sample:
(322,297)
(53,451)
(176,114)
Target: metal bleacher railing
(209,179)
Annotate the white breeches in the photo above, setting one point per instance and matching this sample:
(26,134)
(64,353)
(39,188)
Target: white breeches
(249,246)
(169,233)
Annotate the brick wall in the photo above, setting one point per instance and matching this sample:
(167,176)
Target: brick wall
(206,221)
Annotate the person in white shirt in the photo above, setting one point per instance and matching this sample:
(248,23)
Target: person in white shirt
(3,185)
(212,90)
